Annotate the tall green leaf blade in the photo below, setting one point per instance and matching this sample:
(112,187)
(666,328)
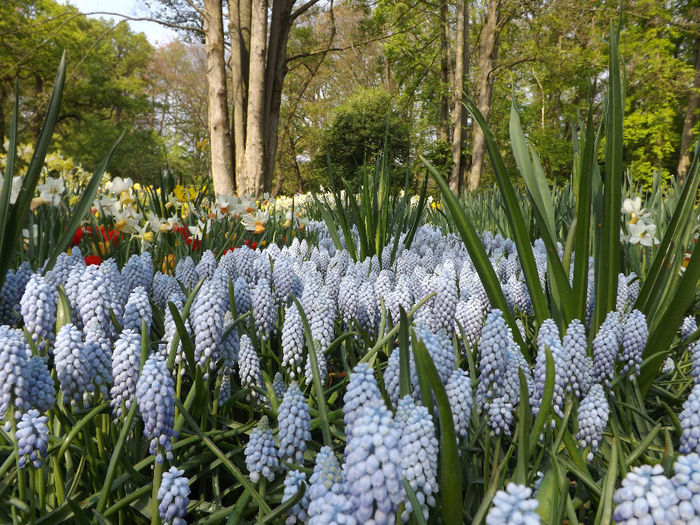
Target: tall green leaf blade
(608,261)
(515,217)
(583,219)
(476,250)
(534,178)
(662,265)
(661,336)
(16,216)
(7,254)
(450,466)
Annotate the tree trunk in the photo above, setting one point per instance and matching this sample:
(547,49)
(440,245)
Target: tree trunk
(488,51)
(276,70)
(239,33)
(461,73)
(254,145)
(219,133)
(443,125)
(690,114)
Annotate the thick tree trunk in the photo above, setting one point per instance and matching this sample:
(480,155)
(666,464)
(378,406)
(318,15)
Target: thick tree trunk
(488,51)
(443,125)
(219,132)
(690,114)
(461,73)
(239,32)
(276,70)
(255,137)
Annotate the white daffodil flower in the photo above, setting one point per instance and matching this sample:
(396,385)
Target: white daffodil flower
(50,192)
(643,233)
(119,185)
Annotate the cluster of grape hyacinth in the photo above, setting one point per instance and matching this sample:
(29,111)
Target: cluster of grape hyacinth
(294,425)
(373,465)
(136,310)
(419,451)
(514,506)
(292,341)
(634,340)
(13,356)
(261,452)
(126,360)
(207,318)
(690,422)
(98,351)
(294,481)
(328,492)
(646,496)
(173,496)
(38,307)
(32,438)
(606,345)
(249,367)
(459,394)
(155,394)
(71,362)
(593,413)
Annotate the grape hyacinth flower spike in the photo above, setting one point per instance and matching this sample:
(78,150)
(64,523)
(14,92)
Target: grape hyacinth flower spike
(294,425)
(514,506)
(261,452)
(155,394)
(593,416)
(173,495)
(32,438)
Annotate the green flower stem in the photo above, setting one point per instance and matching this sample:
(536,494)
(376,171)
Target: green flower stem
(157,478)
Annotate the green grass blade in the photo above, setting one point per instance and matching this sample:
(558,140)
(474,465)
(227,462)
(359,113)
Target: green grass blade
(515,217)
(545,404)
(317,381)
(583,220)
(404,357)
(242,479)
(476,251)
(534,178)
(8,253)
(662,334)
(450,466)
(17,213)
(524,416)
(662,265)
(608,260)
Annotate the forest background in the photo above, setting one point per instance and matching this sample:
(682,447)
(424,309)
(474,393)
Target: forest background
(261,95)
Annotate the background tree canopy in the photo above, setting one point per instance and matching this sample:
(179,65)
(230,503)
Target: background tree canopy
(344,71)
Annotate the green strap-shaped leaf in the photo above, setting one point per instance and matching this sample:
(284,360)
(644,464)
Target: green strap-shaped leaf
(515,217)
(7,253)
(662,335)
(476,250)
(534,178)
(15,218)
(450,466)
(583,219)
(663,265)
(608,259)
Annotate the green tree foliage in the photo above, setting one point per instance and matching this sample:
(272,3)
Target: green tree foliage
(358,131)
(107,86)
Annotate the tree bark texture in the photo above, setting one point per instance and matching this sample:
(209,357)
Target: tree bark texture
(443,125)
(461,73)
(690,116)
(219,133)
(239,33)
(488,52)
(255,136)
